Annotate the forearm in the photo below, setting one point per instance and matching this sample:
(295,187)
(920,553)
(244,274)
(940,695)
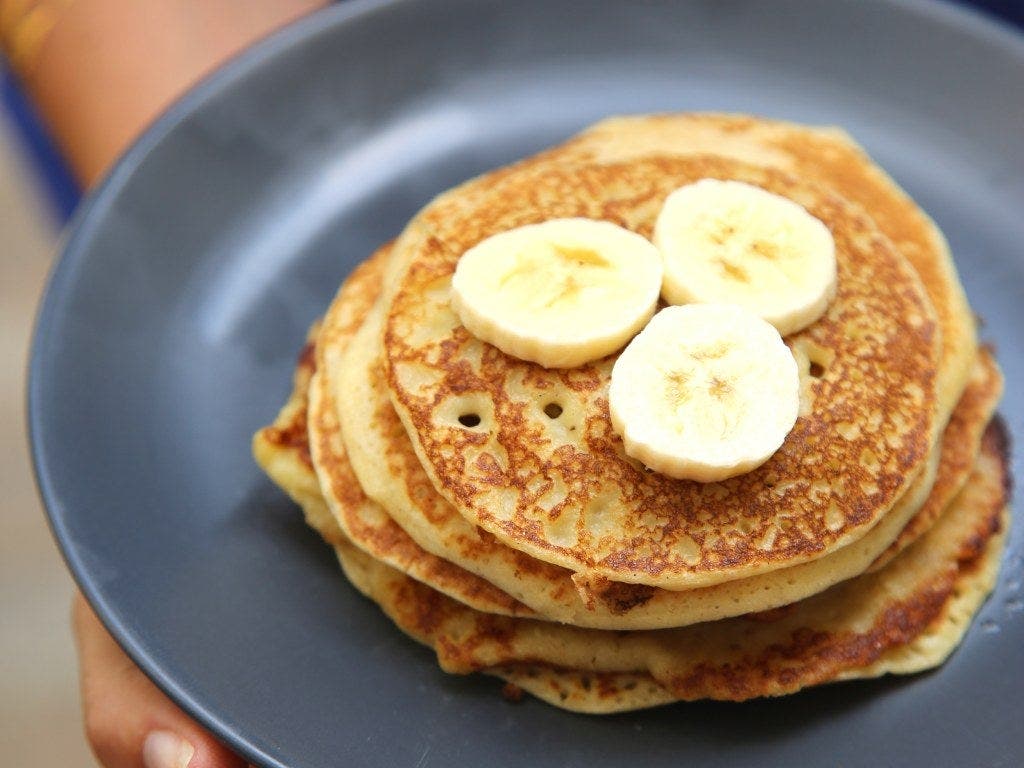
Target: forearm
(99,71)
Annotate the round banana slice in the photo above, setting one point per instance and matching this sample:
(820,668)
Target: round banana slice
(731,242)
(560,293)
(704,392)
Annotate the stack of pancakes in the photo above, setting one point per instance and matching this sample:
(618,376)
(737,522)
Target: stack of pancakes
(487,505)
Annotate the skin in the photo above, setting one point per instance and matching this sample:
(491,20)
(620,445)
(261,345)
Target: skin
(104,69)
(98,72)
(122,707)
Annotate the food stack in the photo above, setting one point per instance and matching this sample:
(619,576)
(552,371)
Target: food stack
(690,406)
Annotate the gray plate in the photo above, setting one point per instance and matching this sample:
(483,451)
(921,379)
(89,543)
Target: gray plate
(171,324)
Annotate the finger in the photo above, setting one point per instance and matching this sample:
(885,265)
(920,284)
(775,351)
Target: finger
(129,722)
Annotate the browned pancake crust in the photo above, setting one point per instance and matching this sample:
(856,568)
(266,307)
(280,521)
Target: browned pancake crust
(578,691)
(877,344)
(830,157)
(288,432)
(773,658)
(288,437)
(960,443)
(384,539)
(437,526)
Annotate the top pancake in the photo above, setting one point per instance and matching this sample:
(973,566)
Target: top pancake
(563,490)
(826,156)
(377,449)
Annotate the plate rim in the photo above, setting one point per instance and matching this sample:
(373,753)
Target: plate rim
(74,251)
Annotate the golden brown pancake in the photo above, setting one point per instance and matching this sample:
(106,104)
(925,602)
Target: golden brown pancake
(960,444)
(546,588)
(563,490)
(604,691)
(588,691)
(283,451)
(475,540)
(389,472)
(594,693)
(826,156)
(913,608)
(282,448)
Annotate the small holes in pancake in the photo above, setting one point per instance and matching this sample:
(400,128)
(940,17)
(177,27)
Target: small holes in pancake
(813,358)
(557,412)
(471,411)
(469,419)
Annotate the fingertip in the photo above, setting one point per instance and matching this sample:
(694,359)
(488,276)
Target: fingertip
(164,749)
(167,749)
(209,753)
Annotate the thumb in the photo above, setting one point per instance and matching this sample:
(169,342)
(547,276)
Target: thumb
(129,722)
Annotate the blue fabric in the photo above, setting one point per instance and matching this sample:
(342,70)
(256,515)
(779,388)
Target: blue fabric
(56,183)
(63,193)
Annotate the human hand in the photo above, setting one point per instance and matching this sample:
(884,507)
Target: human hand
(99,71)
(129,722)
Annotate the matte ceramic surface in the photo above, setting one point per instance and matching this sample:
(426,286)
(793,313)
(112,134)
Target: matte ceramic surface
(171,325)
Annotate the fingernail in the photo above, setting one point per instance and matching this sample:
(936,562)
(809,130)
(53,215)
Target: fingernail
(163,749)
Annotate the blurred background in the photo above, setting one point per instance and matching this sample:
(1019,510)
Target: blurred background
(79,79)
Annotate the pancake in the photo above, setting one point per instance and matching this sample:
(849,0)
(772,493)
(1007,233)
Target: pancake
(389,472)
(587,691)
(282,450)
(386,451)
(603,692)
(562,490)
(823,155)
(591,693)
(531,548)
(960,444)
(907,616)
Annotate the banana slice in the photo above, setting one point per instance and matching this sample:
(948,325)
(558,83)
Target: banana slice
(730,242)
(704,392)
(560,293)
